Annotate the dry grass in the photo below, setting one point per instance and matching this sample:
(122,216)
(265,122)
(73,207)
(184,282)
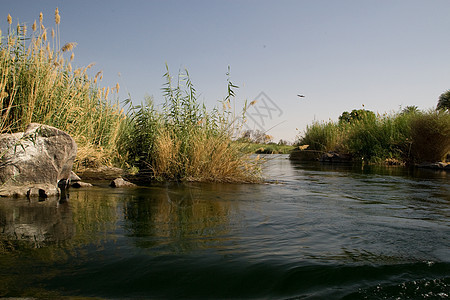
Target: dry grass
(217,158)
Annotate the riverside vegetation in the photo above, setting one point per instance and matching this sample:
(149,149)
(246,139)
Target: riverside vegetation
(184,141)
(406,137)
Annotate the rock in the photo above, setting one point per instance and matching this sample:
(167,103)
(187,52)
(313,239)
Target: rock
(42,191)
(120,182)
(75,181)
(34,160)
(305,155)
(334,157)
(31,191)
(80,184)
(74,177)
(435,166)
(102,173)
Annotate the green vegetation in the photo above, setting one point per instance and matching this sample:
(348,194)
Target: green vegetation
(182,142)
(257,141)
(270,148)
(444,101)
(185,141)
(409,136)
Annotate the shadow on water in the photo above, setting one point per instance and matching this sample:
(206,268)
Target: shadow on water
(316,232)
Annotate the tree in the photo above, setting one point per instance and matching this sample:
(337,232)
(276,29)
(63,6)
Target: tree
(356,115)
(256,136)
(412,109)
(444,101)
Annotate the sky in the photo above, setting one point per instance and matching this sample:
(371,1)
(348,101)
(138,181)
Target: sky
(341,55)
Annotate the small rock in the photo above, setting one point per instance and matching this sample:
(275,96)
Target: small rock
(74,177)
(120,182)
(435,166)
(80,184)
(31,191)
(334,157)
(102,173)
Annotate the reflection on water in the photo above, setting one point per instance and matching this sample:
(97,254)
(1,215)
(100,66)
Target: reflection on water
(35,223)
(316,231)
(182,216)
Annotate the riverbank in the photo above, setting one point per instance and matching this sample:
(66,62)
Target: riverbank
(407,137)
(270,148)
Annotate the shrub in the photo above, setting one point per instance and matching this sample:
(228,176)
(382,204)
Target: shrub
(430,133)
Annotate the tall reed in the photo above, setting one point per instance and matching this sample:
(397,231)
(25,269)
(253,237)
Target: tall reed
(38,84)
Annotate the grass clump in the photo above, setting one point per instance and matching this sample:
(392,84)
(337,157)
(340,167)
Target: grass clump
(185,141)
(410,136)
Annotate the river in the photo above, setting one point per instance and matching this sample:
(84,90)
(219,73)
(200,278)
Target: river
(314,231)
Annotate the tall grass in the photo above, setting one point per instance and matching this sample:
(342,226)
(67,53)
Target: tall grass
(406,137)
(39,84)
(322,136)
(185,141)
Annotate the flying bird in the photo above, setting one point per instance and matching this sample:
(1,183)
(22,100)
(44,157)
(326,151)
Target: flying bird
(301,96)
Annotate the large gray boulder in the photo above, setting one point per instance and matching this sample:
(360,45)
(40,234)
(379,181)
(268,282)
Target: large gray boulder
(32,163)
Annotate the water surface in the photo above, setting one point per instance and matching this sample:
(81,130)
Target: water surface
(315,231)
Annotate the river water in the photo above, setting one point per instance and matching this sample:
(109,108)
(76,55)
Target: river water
(315,231)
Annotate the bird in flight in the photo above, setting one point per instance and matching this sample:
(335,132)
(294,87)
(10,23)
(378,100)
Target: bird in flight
(301,96)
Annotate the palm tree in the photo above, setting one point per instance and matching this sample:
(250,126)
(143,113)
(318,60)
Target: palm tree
(412,109)
(444,101)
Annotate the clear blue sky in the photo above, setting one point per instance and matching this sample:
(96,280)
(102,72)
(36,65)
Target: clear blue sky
(340,54)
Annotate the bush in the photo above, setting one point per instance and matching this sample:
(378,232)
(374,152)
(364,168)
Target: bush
(430,134)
